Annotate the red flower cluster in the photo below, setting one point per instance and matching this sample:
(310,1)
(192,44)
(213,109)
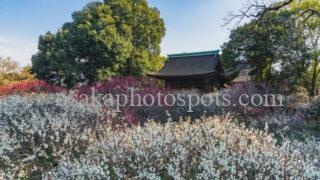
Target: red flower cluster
(29,86)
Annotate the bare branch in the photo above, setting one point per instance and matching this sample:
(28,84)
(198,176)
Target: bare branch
(255,10)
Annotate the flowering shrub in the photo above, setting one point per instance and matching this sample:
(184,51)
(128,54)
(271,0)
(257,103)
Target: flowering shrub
(144,87)
(132,111)
(249,88)
(29,86)
(208,107)
(118,85)
(56,137)
(283,125)
(212,148)
(37,130)
(235,93)
(312,110)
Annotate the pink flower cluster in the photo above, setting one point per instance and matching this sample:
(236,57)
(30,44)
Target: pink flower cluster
(250,89)
(121,86)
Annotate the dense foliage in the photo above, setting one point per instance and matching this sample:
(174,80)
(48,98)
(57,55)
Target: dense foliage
(279,44)
(270,49)
(103,40)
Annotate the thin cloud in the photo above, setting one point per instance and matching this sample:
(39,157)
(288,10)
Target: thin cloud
(18,49)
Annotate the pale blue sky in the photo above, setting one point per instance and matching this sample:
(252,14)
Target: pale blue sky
(192,25)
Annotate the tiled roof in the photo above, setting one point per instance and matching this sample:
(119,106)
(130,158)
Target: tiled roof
(189,64)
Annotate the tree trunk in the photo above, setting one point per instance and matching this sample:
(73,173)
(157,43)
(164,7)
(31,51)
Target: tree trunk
(314,78)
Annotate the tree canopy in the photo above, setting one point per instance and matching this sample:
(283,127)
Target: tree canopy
(280,43)
(110,38)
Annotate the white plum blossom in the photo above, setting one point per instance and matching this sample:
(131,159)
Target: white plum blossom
(44,139)
(209,148)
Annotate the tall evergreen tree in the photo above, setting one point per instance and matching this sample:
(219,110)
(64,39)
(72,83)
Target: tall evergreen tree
(114,37)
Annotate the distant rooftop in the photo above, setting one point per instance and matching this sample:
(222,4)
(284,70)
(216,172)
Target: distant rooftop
(194,54)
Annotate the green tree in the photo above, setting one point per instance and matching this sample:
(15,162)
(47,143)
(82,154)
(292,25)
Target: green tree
(271,47)
(114,37)
(308,17)
(305,17)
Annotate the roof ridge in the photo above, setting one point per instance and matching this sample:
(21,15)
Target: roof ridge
(195,54)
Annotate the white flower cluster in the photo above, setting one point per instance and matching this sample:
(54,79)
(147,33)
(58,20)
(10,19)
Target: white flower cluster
(281,123)
(211,148)
(44,139)
(37,130)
